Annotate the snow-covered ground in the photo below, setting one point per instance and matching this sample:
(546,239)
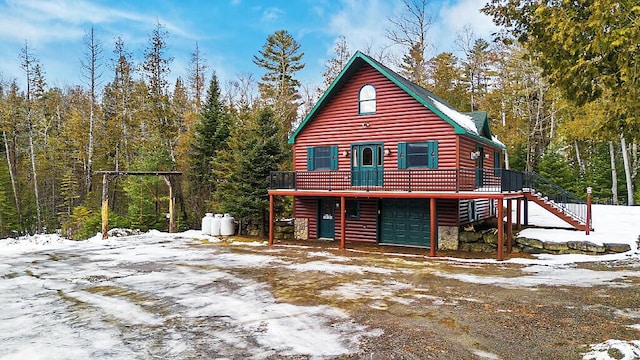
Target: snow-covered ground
(159,295)
(612,224)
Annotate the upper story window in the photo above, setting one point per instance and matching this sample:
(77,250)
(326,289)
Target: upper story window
(322,158)
(367,100)
(418,155)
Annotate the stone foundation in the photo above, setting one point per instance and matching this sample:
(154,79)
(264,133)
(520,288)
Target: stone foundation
(448,238)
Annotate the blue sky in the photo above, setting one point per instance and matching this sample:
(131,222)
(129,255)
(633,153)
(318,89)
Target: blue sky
(229,32)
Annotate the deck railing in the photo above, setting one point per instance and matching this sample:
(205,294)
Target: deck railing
(454,180)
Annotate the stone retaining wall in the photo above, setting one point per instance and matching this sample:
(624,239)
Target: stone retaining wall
(476,238)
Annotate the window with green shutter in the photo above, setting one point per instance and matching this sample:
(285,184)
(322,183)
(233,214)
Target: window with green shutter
(322,158)
(418,155)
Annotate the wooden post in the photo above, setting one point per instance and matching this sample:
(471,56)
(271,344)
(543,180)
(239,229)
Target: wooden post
(343,223)
(509,227)
(588,220)
(525,202)
(433,227)
(105,206)
(518,212)
(500,229)
(271,219)
(172,223)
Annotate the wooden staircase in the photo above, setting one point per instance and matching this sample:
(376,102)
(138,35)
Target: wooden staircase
(557,209)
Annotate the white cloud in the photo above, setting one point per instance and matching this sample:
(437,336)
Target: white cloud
(453,17)
(271,14)
(363,23)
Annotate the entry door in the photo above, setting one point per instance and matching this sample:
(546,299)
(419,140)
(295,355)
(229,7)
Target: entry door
(326,222)
(367,165)
(479,167)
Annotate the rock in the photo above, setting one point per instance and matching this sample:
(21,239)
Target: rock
(555,246)
(491,237)
(469,236)
(586,246)
(532,250)
(476,247)
(617,248)
(533,243)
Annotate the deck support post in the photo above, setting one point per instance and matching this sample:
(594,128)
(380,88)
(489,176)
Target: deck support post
(500,228)
(588,219)
(509,227)
(343,222)
(525,202)
(270,219)
(518,212)
(433,226)
(105,206)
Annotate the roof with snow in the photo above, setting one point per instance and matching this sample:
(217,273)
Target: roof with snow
(475,124)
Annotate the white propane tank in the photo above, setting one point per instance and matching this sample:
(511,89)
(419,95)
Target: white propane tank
(216,224)
(206,223)
(227,225)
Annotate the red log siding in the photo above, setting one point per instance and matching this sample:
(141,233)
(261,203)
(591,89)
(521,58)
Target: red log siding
(361,230)
(364,229)
(306,207)
(447,212)
(398,118)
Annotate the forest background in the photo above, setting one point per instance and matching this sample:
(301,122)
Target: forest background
(560,82)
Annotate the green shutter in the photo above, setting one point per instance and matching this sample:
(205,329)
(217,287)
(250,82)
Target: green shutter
(334,158)
(497,163)
(402,155)
(432,161)
(310,160)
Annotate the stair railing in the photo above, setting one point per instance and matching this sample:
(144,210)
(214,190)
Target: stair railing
(556,196)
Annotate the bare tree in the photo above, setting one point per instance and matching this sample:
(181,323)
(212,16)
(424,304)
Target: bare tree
(91,64)
(334,65)
(31,67)
(410,30)
(197,73)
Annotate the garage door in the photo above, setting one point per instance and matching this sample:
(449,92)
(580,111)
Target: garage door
(405,222)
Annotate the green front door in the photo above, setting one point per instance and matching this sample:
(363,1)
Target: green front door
(405,222)
(326,222)
(367,165)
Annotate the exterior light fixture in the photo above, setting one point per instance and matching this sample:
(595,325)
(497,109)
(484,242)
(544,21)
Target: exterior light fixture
(387,152)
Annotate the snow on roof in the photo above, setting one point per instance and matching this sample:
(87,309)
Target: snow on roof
(463,120)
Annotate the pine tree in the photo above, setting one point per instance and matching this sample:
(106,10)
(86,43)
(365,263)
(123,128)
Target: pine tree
(244,168)
(210,136)
(197,76)
(281,58)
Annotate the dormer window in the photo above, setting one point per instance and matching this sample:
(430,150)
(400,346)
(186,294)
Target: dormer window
(367,100)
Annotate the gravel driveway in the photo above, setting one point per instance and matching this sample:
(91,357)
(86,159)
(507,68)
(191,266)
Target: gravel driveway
(181,296)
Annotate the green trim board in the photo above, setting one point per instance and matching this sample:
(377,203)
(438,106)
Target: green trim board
(423,96)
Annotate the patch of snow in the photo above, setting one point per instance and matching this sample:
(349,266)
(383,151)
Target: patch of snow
(550,276)
(612,224)
(463,120)
(635,326)
(485,355)
(121,309)
(367,289)
(629,350)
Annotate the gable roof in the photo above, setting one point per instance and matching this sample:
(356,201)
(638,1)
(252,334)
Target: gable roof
(474,125)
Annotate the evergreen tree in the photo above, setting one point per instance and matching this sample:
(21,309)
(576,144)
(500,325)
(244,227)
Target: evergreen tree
(281,58)
(445,80)
(211,135)
(243,169)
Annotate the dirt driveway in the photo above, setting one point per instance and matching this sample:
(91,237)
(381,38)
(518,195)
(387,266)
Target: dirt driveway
(159,296)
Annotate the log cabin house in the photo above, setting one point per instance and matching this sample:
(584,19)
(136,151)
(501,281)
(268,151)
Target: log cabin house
(382,160)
